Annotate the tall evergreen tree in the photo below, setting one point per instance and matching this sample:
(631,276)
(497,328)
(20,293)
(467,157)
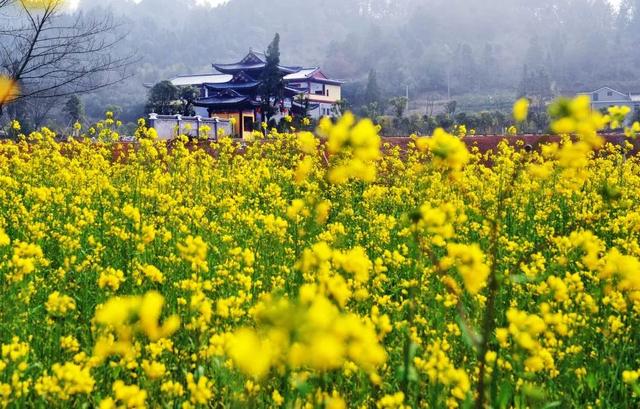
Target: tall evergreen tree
(372,93)
(272,87)
(489,69)
(74,109)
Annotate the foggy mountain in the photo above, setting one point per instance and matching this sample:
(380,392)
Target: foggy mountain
(465,47)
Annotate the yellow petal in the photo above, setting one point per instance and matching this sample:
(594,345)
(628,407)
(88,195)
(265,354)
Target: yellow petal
(9,90)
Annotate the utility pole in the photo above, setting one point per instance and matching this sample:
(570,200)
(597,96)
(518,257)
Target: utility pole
(407,108)
(448,84)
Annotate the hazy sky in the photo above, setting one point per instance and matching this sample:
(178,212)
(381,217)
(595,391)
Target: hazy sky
(216,2)
(74,3)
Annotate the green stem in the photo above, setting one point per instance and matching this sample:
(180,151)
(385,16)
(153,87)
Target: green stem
(407,346)
(489,324)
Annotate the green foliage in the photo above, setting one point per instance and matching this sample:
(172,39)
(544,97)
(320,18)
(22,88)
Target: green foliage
(74,109)
(272,87)
(399,105)
(450,107)
(167,99)
(372,92)
(161,98)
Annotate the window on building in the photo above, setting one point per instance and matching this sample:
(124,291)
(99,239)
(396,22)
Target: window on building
(609,93)
(595,97)
(327,92)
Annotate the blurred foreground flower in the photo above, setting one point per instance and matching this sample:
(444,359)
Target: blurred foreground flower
(9,90)
(41,4)
(448,151)
(126,316)
(311,333)
(521,110)
(358,143)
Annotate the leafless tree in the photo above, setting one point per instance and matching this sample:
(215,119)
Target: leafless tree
(430,105)
(51,53)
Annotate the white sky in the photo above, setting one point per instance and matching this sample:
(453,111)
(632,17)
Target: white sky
(212,2)
(74,3)
(616,3)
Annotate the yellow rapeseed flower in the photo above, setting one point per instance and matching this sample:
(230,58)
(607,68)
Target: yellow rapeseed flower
(521,109)
(448,151)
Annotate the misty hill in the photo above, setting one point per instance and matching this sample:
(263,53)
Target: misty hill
(432,46)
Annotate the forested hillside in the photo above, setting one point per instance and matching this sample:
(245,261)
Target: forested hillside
(434,47)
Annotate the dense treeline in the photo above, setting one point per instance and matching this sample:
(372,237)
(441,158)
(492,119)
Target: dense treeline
(481,53)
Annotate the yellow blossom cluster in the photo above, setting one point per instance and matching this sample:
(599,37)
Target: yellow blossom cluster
(440,370)
(59,304)
(309,334)
(358,141)
(448,151)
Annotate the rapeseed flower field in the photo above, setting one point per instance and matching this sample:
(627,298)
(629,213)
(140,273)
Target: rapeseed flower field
(321,270)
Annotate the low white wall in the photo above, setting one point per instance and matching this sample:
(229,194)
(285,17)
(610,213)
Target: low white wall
(170,126)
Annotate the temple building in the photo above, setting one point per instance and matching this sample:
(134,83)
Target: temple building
(233,92)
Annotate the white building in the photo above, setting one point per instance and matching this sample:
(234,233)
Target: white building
(322,92)
(606,97)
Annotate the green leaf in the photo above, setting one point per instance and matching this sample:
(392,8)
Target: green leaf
(469,336)
(304,388)
(413,349)
(505,395)
(592,382)
(413,374)
(534,392)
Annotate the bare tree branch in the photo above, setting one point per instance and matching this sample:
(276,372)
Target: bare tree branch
(52,54)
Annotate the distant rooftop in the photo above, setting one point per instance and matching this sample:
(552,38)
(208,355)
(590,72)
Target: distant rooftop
(199,79)
(253,61)
(311,73)
(303,74)
(629,96)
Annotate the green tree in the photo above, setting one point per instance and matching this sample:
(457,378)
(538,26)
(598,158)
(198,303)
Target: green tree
(372,92)
(271,87)
(187,96)
(74,109)
(444,121)
(162,98)
(341,106)
(303,107)
(450,107)
(536,85)
(371,111)
(399,105)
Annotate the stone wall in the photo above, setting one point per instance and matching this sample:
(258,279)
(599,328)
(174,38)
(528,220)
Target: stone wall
(170,126)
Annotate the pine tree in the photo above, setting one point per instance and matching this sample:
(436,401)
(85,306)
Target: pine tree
(372,93)
(74,109)
(271,87)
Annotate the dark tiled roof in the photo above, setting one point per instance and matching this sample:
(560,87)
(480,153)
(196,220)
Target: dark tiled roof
(218,101)
(248,85)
